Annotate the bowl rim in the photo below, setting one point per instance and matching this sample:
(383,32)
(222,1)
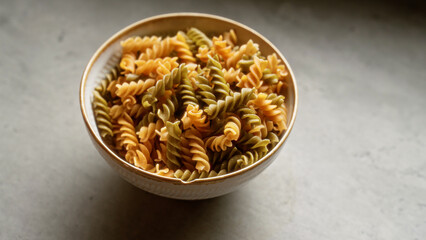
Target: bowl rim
(154,176)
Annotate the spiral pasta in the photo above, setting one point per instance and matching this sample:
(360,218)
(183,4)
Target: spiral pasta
(205,90)
(221,47)
(197,150)
(173,144)
(134,88)
(230,103)
(138,44)
(198,37)
(192,106)
(167,110)
(249,49)
(166,83)
(271,111)
(101,110)
(182,49)
(253,79)
(128,63)
(158,50)
(102,88)
(150,66)
(220,86)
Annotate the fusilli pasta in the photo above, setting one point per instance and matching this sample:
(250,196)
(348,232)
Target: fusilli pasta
(192,106)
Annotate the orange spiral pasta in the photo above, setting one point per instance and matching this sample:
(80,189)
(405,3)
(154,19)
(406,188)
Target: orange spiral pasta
(249,49)
(203,53)
(230,37)
(138,44)
(231,133)
(197,150)
(232,75)
(140,155)
(158,50)
(221,48)
(182,49)
(150,66)
(256,72)
(272,112)
(133,88)
(148,132)
(127,131)
(128,63)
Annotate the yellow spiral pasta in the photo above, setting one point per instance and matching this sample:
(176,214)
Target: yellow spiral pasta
(128,62)
(127,130)
(249,49)
(253,79)
(221,48)
(272,112)
(148,132)
(140,155)
(133,88)
(232,75)
(230,37)
(194,116)
(203,53)
(149,67)
(158,50)
(231,133)
(160,169)
(138,44)
(197,150)
(276,67)
(182,49)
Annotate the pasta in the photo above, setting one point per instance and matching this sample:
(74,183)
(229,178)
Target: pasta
(191,106)
(101,110)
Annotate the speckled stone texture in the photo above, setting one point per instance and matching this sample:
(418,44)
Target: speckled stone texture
(354,166)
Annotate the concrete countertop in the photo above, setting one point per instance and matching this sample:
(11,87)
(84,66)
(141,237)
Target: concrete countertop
(354,166)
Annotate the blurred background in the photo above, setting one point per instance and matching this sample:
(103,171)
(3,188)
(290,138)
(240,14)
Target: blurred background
(354,166)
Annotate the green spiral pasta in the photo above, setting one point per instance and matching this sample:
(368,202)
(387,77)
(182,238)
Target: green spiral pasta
(109,77)
(248,142)
(276,99)
(205,91)
(187,93)
(220,86)
(188,175)
(250,117)
(269,77)
(198,37)
(273,138)
(101,111)
(173,144)
(167,110)
(244,65)
(230,103)
(173,78)
(146,120)
(218,157)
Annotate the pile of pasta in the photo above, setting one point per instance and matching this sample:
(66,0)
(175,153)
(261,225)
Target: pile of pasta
(189,106)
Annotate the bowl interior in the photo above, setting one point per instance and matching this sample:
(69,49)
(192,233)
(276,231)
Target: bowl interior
(108,55)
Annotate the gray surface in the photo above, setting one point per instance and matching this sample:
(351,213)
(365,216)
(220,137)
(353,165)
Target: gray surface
(353,168)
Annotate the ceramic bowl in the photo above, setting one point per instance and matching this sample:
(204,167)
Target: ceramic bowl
(108,56)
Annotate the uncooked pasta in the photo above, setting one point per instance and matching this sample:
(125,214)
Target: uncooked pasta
(192,105)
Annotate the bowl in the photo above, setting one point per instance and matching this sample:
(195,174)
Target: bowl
(108,55)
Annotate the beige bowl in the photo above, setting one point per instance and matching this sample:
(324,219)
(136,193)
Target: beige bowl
(108,56)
